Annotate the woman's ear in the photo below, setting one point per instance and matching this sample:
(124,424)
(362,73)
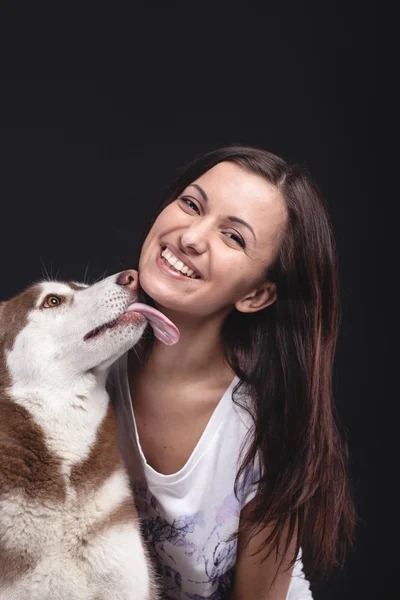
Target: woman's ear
(257,299)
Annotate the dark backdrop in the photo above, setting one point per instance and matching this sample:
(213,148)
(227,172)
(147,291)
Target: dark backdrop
(95,123)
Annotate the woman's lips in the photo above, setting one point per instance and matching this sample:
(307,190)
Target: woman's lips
(165,268)
(180,256)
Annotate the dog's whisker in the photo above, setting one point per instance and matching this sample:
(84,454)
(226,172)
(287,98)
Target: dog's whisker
(138,357)
(86,272)
(96,280)
(46,273)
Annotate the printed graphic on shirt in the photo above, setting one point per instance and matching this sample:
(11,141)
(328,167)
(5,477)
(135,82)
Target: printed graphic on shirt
(210,552)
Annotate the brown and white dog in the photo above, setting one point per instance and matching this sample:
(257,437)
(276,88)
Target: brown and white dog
(68,526)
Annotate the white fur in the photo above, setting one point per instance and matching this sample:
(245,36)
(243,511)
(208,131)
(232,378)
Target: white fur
(70,424)
(22,520)
(60,379)
(113,562)
(119,575)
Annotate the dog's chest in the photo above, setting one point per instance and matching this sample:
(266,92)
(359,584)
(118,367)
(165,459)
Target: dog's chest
(70,421)
(39,526)
(77,479)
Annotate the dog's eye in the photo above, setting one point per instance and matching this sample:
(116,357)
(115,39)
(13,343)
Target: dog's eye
(51,301)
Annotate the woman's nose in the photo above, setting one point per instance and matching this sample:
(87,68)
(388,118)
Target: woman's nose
(196,237)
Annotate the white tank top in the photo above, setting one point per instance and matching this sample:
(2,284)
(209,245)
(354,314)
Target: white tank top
(188,517)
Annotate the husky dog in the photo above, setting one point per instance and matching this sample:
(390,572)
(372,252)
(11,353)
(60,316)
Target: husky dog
(68,525)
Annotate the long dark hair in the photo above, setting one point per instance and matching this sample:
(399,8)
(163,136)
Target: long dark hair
(284,356)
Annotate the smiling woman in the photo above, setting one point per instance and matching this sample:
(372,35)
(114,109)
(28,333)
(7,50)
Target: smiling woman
(227,215)
(230,436)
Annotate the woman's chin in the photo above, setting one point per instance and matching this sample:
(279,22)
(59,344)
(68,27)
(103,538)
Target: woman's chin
(162,297)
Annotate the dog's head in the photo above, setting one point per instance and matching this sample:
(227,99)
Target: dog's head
(60,330)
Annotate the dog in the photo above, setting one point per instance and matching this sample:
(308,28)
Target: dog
(69,529)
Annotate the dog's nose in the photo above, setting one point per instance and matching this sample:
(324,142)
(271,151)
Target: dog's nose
(128,278)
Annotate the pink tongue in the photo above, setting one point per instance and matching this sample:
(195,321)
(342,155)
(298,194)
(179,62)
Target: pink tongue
(163,328)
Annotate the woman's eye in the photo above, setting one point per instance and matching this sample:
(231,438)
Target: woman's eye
(237,238)
(189,203)
(51,301)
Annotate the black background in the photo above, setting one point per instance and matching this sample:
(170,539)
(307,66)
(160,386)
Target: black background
(96,119)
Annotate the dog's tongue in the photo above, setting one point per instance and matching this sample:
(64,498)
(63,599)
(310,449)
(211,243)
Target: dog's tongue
(163,328)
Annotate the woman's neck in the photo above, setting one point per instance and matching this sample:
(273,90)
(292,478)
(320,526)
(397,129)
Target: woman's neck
(199,353)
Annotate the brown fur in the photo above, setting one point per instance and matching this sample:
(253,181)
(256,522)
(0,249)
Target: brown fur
(103,460)
(14,564)
(121,515)
(75,286)
(25,461)
(13,318)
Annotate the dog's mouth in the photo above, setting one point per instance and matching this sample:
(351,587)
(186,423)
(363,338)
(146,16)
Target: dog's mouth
(163,328)
(97,331)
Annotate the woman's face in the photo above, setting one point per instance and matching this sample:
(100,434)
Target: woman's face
(226,228)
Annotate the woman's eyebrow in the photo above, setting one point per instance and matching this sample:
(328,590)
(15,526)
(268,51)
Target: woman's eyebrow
(200,189)
(233,219)
(238,220)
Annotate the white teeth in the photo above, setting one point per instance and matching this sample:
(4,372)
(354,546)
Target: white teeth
(167,254)
(177,264)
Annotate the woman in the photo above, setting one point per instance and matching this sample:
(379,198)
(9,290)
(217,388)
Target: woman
(230,435)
